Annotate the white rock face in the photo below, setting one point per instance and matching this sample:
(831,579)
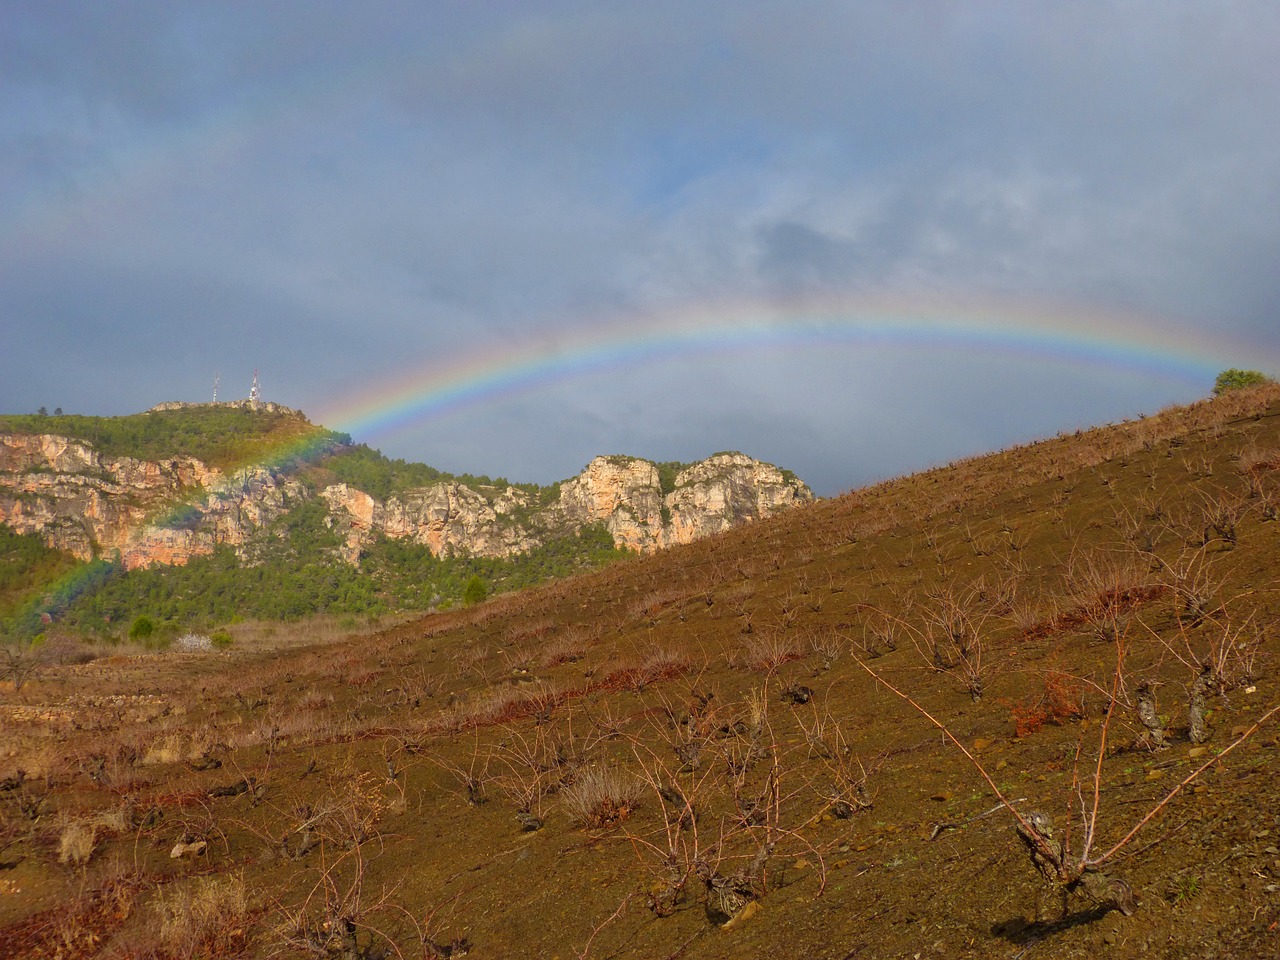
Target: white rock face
(151,511)
(726,490)
(446,517)
(622,492)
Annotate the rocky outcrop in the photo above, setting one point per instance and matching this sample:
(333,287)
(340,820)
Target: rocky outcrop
(447,518)
(148,511)
(724,491)
(257,406)
(621,492)
(710,497)
(167,511)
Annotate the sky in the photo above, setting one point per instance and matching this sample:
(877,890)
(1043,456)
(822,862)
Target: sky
(851,238)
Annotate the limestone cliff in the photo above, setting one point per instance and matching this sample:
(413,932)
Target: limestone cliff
(446,517)
(150,511)
(166,511)
(724,491)
(624,494)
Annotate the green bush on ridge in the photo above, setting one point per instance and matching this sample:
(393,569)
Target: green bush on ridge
(1234,379)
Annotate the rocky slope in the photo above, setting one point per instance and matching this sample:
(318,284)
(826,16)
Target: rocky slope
(166,511)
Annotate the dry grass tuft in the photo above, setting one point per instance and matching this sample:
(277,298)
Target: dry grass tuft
(600,797)
(210,918)
(77,842)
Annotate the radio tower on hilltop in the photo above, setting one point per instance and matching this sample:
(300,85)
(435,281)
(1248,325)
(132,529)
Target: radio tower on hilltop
(255,392)
(217,378)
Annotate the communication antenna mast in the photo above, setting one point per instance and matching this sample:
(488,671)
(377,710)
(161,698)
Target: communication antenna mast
(217,378)
(255,392)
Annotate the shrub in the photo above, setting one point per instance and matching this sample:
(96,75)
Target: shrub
(602,796)
(209,919)
(1234,379)
(160,640)
(1061,701)
(77,842)
(768,651)
(21,660)
(475,591)
(221,639)
(143,627)
(1028,718)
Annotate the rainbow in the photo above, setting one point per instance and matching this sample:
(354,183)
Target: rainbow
(1019,331)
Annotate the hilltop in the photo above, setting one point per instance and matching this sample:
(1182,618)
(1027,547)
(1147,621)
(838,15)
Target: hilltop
(700,754)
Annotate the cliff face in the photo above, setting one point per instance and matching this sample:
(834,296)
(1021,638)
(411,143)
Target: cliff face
(724,491)
(446,517)
(151,511)
(166,511)
(710,496)
(621,492)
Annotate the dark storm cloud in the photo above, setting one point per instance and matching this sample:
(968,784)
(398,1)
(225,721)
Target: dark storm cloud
(336,194)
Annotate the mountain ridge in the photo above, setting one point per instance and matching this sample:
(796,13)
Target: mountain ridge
(167,506)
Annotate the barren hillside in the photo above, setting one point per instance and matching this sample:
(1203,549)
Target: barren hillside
(1017,706)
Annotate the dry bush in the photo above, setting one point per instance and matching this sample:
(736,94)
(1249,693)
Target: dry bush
(473,778)
(722,821)
(770,649)
(1061,700)
(517,662)
(21,661)
(77,842)
(335,919)
(522,632)
(178,747)
(829,647)
(533,765)
(168,748)
(349,813)
(469,659)
(1106,586)
(954,637)
(209,917)
(1063,854)
(1221,652)
(417,685)
(570,647)
(1195,581)
(1254,465)
(737,593)
(82,921)
(845,785)
(880,634)
(659,664)
(315,699)
(1220,517)
(498,706)
(600,797)
(651,605)
(345,816)
(1027,614)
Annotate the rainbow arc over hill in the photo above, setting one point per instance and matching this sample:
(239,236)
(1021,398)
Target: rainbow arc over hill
(1019,332)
